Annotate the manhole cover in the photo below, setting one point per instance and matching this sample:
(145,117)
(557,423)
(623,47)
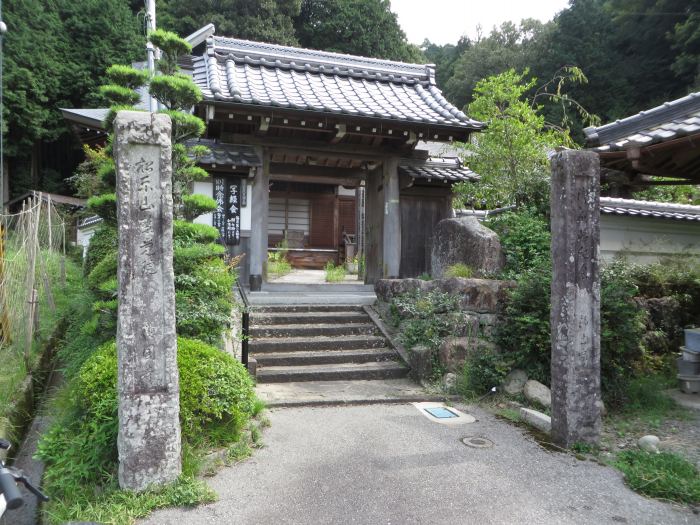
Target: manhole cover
(477,442)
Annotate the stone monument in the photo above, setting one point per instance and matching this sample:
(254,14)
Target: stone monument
(575,316)
(148,384)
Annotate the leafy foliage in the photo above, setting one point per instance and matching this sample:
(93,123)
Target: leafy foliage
(196,205)
(185,233)
(362,27)
(102,243)
(334,274)
(423,318)
(511,154)
(459,270)
(105,206)
(216,400)
(525,239)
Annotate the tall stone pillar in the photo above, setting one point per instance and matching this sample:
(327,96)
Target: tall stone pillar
(575,316)
(392,219)
(148,383)
(260,200)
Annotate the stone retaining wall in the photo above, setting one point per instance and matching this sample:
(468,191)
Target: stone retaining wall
(479,302)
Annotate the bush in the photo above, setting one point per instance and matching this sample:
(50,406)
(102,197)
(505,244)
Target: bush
(187,258)
(196,205)
(459,270)
(203,301)
(105,206)
(102,243)
(524,337)
(104,271)
(525,239)
(216,401)
(188,232)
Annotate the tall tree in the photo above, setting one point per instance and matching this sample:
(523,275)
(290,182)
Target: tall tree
(264,20)
(55,55)
(361,27)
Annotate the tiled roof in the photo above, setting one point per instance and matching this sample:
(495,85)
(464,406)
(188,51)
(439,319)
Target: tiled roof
(662,210)
(439,169)
(223,154)
(275,76)
(669,121)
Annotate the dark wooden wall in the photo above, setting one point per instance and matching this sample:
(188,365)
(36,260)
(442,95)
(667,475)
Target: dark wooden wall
(421,209)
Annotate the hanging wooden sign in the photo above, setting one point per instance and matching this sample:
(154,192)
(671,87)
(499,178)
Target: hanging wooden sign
(227,217)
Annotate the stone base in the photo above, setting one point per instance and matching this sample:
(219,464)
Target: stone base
(255,282)
(149,440)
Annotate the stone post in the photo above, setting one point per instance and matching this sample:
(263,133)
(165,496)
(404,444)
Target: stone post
(148,384)
(575,316)
(392,219)
(260,202)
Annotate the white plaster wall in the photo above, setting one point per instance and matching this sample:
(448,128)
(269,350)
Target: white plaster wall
(646,240)
(206,187)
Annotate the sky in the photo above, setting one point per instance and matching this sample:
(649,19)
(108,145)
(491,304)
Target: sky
(445,21)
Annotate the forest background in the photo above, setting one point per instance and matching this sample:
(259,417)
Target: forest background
(635,53)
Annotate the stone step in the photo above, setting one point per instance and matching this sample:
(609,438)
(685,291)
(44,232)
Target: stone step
(292,344)
(312,330)
(288,308)
(274,318)
(323,357)
(331,372)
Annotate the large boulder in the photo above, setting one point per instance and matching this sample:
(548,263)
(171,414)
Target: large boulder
(538,393)
(465,240)
(514,382)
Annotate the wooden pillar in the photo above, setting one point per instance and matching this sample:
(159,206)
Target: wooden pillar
(374,226)
(575,316)
(392,219)
(260,202)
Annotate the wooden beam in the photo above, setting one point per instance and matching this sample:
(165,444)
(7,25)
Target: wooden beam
(264,125)
(341,130)
(313,179)
(297,169)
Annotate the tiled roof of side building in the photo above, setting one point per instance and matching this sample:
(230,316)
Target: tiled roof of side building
(669,121)
(660,210)
(254,73)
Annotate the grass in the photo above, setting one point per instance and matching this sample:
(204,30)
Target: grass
(459,270)
(278,265)
(664,476)
(334,274)
(14,369)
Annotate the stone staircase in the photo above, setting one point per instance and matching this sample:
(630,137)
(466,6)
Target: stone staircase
(319,343)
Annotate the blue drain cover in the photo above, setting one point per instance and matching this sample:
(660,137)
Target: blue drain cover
(440,412)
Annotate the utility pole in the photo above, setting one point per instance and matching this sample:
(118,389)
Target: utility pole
(150,48)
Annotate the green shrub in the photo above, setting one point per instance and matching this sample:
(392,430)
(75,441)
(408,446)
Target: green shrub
(196,204)
(103,242)
(524,337)
(204,300)
(127,76)
(334,274)
(459,270)
(665,475)
(216,400)
(105,206)
(187,258)
(525,239)
(188,232)
(104,270)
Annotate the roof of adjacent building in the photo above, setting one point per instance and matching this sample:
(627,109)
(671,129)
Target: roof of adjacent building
(660,210)
(273,76)
(668,121)
(223,154)
(437,168)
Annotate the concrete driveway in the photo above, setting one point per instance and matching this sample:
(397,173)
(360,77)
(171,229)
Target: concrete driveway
(389,464)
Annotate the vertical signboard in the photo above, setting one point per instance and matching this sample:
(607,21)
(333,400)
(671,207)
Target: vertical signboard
(227,217)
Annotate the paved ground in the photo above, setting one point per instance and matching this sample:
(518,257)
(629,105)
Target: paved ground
(389,464)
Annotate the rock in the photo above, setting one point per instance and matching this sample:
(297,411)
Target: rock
(421,358)
(514,382)
(449,382)
(540,421)
(454,351)
(649,443)
(465,240)
(537,392)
